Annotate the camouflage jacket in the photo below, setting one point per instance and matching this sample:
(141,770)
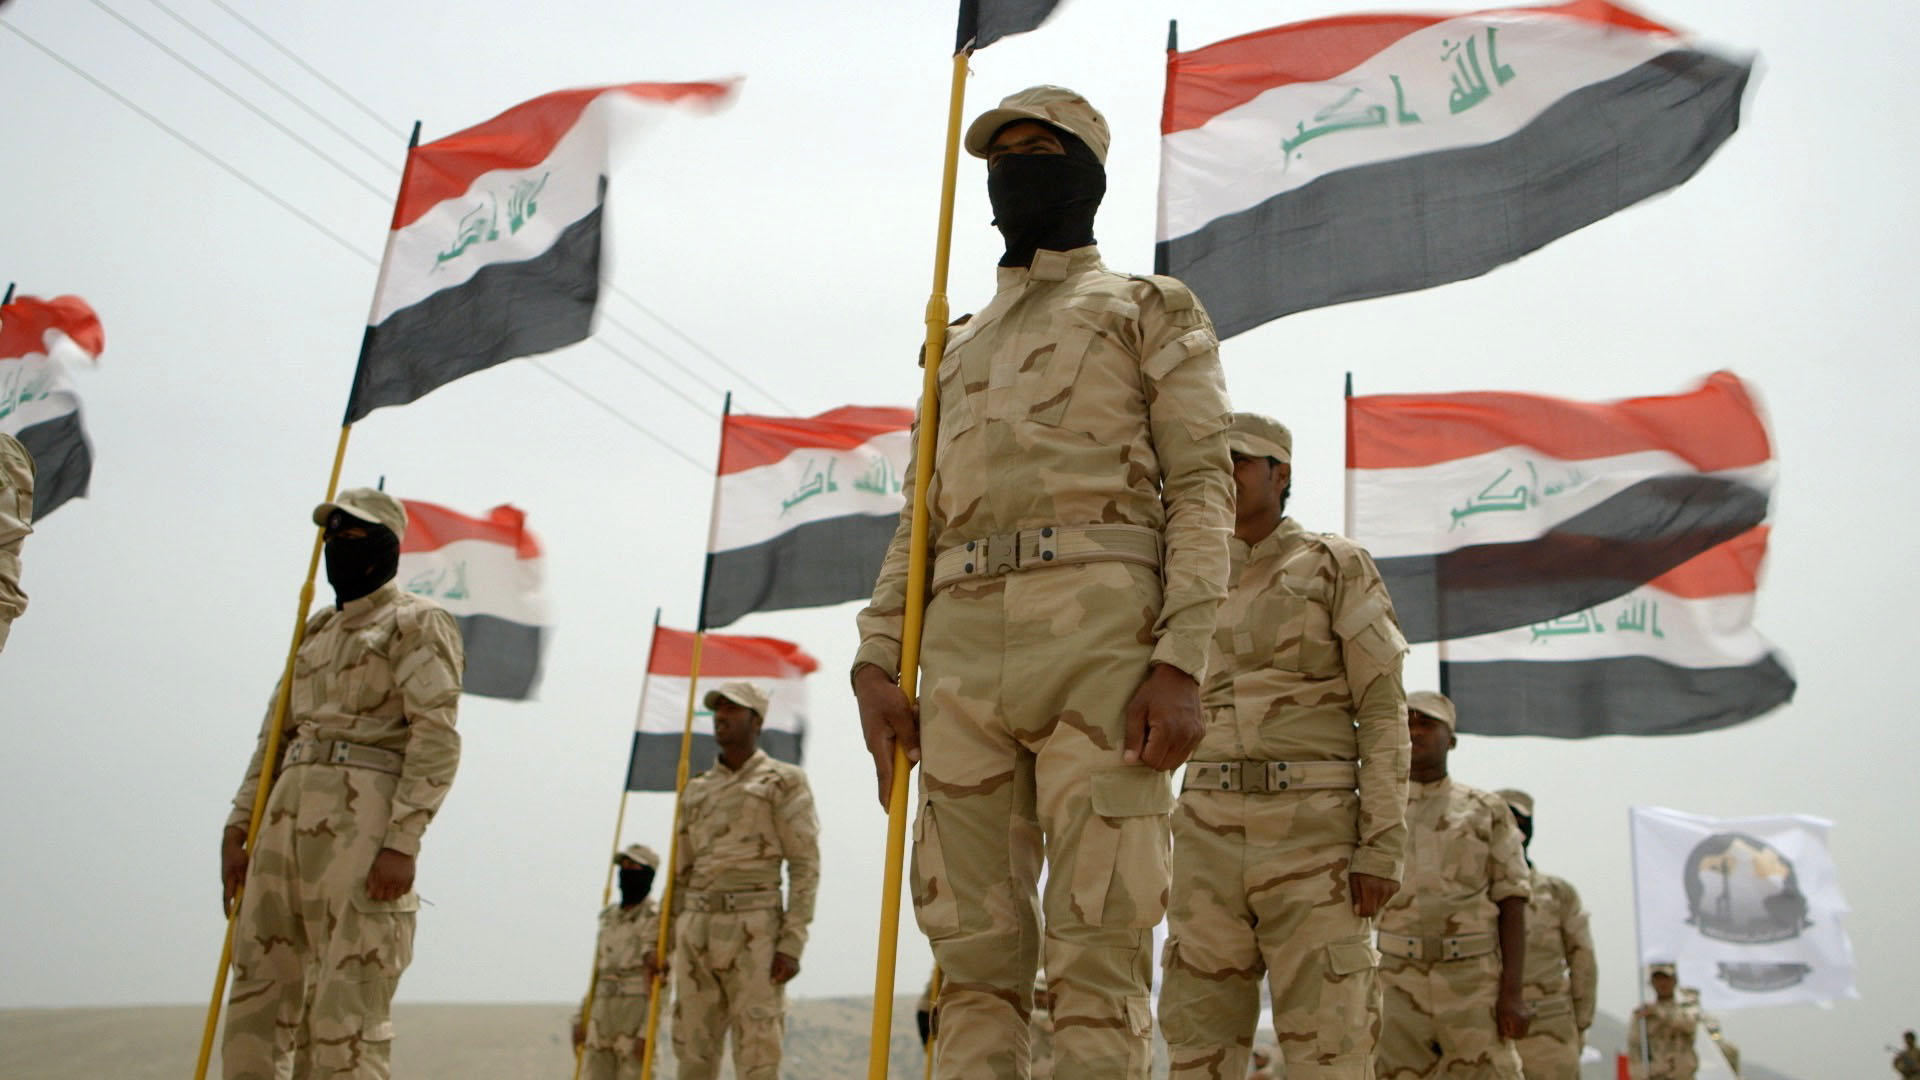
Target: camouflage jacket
(1669,1031)
(736,828)
(1307,652)
(1560,958)
(1079,396)
(16,517)
(627,935)
(384,671)
(1463,858)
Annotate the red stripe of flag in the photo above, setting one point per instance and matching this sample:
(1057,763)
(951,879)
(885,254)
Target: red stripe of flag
(1713,428)
(724,655)
(753,441)
(1230,73)
(431,527)
(24,323)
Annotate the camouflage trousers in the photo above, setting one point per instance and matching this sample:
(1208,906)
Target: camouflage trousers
(723,982)
(315,963)
(1437,1021)
(1551,1050)
(1026,679)
(616,1036)
(1260,885)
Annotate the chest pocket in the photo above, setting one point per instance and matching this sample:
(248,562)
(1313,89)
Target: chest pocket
(957,406)
(1464,864)
(1042,371)
(1288,628)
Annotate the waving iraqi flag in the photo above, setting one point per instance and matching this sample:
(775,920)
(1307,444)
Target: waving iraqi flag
(38,404)
(495,249)
(779,668)
(1363,155)
(487,572)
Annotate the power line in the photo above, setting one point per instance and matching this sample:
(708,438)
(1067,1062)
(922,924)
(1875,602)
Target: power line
(661,353)
(618,415)
(242,100)
(669,387)
(384,158)
(398,133)
(699,348)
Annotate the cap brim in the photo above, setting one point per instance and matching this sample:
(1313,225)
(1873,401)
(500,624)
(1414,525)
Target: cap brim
(980,133)
(326,509)
(715,697)
(1250,446)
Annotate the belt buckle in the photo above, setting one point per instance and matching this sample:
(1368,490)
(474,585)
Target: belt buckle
(1229,775)
(340,753)
(726,902)
(1003,553)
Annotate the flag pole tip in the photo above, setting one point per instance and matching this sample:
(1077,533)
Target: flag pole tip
(1173,35)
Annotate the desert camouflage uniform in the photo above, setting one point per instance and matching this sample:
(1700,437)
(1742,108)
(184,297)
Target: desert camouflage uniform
(1669,1028)
(1306,672)
(620,993)
(1077,397)
(1463,858)
(1907,1063)
(368,753)
(1560,980)
(736,827)
(16,518)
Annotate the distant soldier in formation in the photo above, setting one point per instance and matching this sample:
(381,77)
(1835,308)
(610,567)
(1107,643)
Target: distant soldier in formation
(736,944)
(1079,514)
(367,754)
(1907,1061)
(615,1040)
(1561,976)
(1261,1067)
(16,521)
(1289,834)
(1660,1034)
(1454,937)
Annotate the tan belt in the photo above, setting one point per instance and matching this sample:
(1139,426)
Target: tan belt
(342,752)
(1544,1007)
(1458,947)
(757,900)
(1054,545)
(1259,777)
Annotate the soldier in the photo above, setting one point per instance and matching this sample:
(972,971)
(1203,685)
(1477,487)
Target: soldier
(735,945)
(1289,833)
(1561,978)
(368,752)
(1078,544)
(616,1040)
(1907,1061)
(1661,1032)
(1261,1068)
(16,522)
(1454,937)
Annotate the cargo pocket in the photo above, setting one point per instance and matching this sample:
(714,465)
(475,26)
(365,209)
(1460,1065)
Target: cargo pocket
(380,936)
(1121,868)
(1140,1015)
(1345,994)
(934,904)
(1044,383)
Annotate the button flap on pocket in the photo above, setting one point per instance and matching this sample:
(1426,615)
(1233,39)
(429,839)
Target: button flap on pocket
(1347,957)
(410,901)
(1131,791)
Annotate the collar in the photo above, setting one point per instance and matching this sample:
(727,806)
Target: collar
(1049,266)
(759,758)
(385,594)
(1283,533)
(1417,790)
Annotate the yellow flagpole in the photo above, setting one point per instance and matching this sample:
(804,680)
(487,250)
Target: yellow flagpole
(881,1035)
(673,859)
(606,887)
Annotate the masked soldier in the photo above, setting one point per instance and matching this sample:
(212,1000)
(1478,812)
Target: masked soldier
(367,755)
(1079,513)
(16,521)
(1454,937)
(1661,1032)
(616,1040)
(1561,977)
(1289,836)
(736,946)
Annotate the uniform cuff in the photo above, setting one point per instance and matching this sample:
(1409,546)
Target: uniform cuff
(1190,657)
(1374,864)
(791,944)
(879,652)
(405,843)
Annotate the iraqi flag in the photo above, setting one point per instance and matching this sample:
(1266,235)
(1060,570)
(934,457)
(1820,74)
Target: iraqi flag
(1488,511)
(487,572)
(1364,155)
(495,249)
(777,667)
(1675,656)
(38,404)
(983,22)
(804,509)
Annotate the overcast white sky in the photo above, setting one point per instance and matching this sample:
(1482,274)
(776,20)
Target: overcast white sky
(792,236)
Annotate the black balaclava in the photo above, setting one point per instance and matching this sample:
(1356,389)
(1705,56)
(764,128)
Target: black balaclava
(1525,821)
(357,567)
(635,883)
(1046,200)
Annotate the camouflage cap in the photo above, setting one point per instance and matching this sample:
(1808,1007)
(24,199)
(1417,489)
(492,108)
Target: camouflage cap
(641,854)
(1433,704)
(1662,967)
(370,506)
(740,693)
(1253,435)
(1055,106)
(1520,801)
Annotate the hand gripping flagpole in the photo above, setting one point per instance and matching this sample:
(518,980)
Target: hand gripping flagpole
(927,438)
(283,698)
(606,889)
(660,953)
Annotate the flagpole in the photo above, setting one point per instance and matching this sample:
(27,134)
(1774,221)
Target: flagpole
(1639,946)
(283,698)
(686,749)
(7,299)
(881,1033)
(933,1017)
(606,889)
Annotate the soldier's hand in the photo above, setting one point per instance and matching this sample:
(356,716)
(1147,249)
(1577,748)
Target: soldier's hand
(1370,893)
(1510,1014)
(1164,724)
(784,968)
(579,1036)
(233,866)
(887,719)
(639,1049)
(652,963)
(391,876)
